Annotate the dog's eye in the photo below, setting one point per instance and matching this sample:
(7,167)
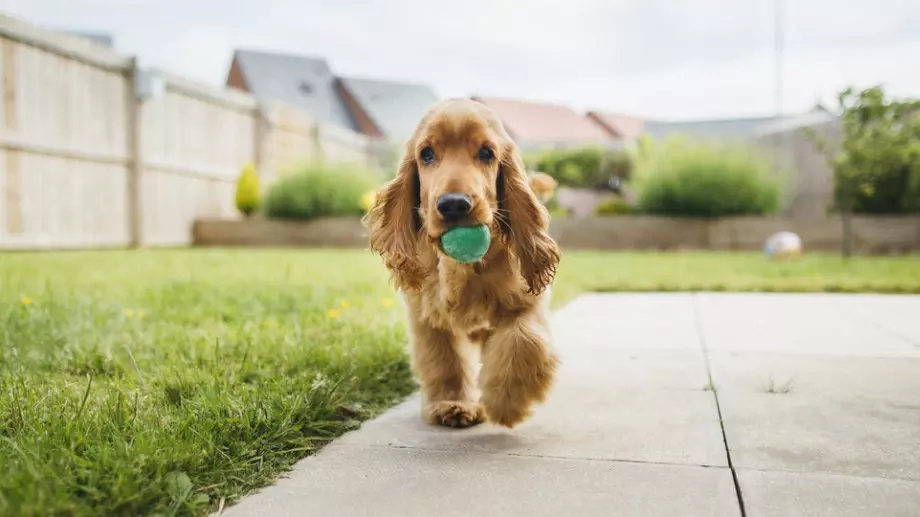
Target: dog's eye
(427,156)
(486,155)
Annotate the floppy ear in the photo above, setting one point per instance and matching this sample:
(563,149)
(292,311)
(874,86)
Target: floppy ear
(526,223)
(394,224)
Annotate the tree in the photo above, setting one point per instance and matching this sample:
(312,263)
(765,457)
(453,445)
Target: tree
(877,166)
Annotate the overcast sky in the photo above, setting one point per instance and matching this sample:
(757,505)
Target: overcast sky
(673,59)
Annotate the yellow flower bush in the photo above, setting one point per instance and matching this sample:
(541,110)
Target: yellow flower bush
(248,197)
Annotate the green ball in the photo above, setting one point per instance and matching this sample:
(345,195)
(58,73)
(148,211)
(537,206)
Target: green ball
(467,244)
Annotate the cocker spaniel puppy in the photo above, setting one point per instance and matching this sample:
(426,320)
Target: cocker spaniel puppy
(461,168)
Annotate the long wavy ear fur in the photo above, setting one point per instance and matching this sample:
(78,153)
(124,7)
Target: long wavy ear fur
(526,224)
(394,224)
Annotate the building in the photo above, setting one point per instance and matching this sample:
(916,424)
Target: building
(376,108)
(535,126)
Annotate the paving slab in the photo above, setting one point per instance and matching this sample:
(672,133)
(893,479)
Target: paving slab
(848,415)
(794,324)
(612,367)
(628,321)
(347,481)
(657,426)
(784,494)
(894,313)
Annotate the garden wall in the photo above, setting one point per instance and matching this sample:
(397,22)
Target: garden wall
(874,235)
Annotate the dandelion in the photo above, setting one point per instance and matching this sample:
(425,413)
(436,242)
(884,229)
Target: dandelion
(334,313)
(129,313)
(25,300)
(141,314)
(269,323)
(344,304)
(387,302)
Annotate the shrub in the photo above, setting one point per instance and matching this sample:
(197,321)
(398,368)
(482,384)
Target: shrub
(877,170)
(318,191)
(614,206)
(691,179)
(248,196)
(587,167)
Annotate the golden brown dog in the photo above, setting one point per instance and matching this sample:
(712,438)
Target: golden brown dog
(461,168)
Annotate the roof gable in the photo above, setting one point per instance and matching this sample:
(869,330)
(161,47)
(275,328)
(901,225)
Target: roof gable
(537,123)
(303,82)
(394,107)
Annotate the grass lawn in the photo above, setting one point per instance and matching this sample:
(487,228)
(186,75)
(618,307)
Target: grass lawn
(162,382)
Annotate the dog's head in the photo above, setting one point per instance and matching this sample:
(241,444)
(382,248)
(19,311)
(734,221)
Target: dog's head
(460,168)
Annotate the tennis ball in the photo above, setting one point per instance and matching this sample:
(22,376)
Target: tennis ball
(467,244)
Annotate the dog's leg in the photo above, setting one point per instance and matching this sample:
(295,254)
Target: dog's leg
(443,363)
(518,367)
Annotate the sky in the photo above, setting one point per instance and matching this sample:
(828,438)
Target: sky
(660,59)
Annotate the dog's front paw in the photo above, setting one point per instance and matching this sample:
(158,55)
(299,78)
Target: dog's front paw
(454,413)
(509,395)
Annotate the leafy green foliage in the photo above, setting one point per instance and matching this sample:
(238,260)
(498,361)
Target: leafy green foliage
(587,167)
(614,206)
(877,168)
(248,195)
(693,179)
(319,191)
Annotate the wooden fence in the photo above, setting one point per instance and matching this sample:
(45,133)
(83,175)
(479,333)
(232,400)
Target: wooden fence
(86,163)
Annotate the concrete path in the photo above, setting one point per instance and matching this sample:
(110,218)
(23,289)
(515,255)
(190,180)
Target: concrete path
(671,405)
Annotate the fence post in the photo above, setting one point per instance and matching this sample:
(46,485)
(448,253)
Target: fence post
(135,159)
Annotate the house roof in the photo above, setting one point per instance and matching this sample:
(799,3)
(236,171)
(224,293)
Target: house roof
(538,123)
(719,128)
(394,107)
(620,126)
(106,40)
(303,82)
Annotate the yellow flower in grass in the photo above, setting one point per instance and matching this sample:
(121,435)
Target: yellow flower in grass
(334,313)
(344,304)
(25,300)
(269,324)
(129,313)
(141,314)
(367,200)
(387,302)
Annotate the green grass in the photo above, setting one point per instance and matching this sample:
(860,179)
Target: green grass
(640,272)
(162,382)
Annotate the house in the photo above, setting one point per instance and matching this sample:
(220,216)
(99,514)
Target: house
(623,127)
(385,108)
(713,130)
(306,83)
(378,109)
(535,126)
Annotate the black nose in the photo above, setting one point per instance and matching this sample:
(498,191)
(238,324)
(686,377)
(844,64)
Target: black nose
(454,206)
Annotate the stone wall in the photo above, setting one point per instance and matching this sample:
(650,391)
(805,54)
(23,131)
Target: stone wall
(873,235)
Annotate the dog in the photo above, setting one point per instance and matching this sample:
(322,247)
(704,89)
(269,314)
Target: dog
(460,167)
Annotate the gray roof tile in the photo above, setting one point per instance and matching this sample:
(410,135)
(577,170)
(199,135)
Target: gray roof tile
(303,82)
(395,107)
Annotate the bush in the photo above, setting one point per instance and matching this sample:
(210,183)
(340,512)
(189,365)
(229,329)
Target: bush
(318,191)
(877,170)
(614,206)
(248,196)
(587,167)
(691,179)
